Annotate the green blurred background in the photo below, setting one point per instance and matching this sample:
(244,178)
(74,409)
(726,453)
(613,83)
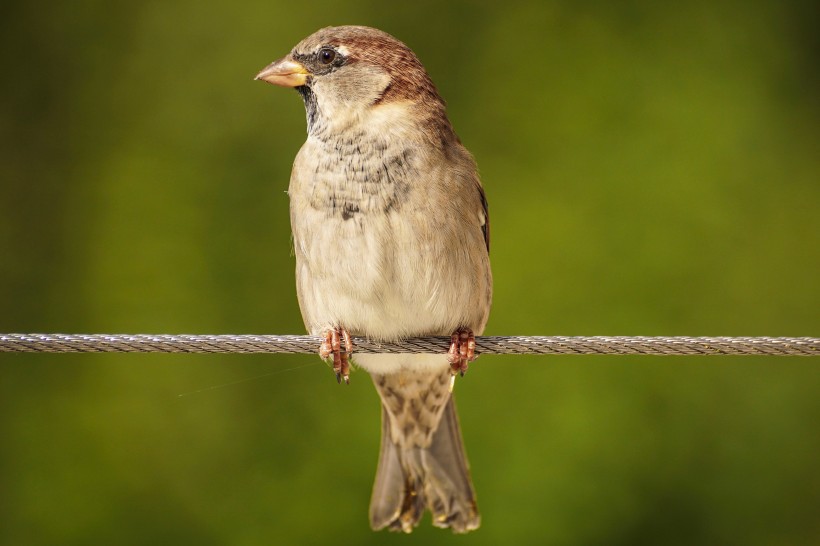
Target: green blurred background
(652,169)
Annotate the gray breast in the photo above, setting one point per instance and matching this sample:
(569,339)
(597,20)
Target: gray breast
(359,175)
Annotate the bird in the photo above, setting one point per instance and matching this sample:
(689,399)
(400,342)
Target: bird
(391,238)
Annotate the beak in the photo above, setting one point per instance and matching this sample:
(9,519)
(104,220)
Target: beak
(285,72)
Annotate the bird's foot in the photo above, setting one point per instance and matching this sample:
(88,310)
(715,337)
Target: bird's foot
(462,350)
(332,347)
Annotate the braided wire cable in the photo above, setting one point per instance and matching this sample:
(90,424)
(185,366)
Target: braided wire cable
(522,345)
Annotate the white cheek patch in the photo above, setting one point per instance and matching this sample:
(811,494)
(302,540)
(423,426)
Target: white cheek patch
(391,113)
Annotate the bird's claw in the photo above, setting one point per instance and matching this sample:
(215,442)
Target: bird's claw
(332,347)
(462,350)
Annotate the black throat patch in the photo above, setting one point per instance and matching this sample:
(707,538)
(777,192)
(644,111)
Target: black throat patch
(311,107)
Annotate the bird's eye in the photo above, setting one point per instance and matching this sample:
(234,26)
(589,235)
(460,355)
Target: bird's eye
(326,55)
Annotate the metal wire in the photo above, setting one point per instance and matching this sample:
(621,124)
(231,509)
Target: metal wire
(521,345)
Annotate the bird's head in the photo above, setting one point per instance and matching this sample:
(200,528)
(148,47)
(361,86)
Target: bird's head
(352,74)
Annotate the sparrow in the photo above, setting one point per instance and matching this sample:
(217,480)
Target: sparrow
(391,238)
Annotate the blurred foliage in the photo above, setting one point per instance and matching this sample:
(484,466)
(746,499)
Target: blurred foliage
(652,168)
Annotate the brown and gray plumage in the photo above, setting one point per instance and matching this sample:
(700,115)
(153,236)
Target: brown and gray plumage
(391,236)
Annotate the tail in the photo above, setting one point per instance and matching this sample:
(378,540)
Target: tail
(410,479)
